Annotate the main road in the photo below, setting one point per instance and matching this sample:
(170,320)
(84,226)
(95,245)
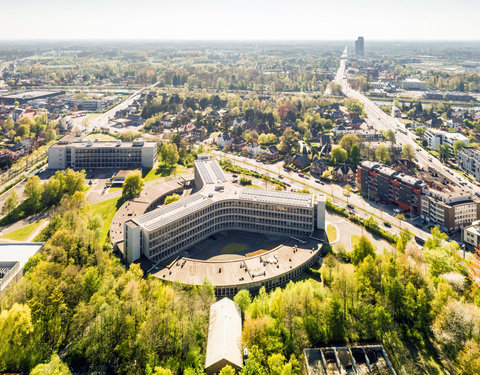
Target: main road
(362,207)
(382,121)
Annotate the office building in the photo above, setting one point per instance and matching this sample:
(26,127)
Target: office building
(219,206)
(77,154)
(435,138)
(451,211)
(359,47)
(385,184)
(414,84)
(469,161)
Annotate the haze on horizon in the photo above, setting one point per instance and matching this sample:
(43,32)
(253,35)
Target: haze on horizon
(246,20)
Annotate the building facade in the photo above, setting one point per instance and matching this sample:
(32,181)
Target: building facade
(471,235)
(360,47)
(219,206)
(450,212)
(469,161)
(93,154)
(435,138)
(385,184)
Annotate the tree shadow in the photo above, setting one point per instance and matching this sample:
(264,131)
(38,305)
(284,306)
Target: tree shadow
(161,171)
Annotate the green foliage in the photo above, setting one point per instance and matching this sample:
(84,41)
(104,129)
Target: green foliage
(54,367)
(132,186)
(245,181)
(362,249)
(338,155)
(171,198)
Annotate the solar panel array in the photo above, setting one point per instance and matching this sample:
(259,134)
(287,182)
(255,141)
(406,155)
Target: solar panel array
(202,169)
(166,209)
(218,171)
(279,197)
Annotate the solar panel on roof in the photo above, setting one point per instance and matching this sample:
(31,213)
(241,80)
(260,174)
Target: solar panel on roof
(218,171)
(202,168)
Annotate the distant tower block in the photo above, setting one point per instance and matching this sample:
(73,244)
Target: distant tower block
(359,47)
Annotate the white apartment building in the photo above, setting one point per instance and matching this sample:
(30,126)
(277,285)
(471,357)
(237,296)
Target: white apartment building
(218,206)
(93,154)
(435,138)
(471,235)
(469,161)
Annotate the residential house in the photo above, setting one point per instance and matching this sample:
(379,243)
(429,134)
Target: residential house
(199,134)
(344,173)
(223,139)
(271,153)
(301,161)
(318,166)
(238,143)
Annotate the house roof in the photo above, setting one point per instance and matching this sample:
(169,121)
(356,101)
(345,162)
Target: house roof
(224,334)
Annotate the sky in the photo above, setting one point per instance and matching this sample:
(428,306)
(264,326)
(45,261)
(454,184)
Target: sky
(240,19)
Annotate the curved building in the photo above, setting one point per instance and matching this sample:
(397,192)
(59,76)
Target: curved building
(219,205)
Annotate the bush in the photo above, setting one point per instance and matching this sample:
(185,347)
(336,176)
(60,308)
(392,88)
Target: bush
(245,181)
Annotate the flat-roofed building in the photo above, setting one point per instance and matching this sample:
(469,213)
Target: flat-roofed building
(469,161)
(13,257)
(381,182)
(414,84)
(28,96)
(218,206)
(471,235)
(93,154)
(450,211)
(224,343)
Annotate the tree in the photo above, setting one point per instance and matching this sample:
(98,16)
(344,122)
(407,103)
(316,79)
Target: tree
(10,203)
(408,152)
(362,249)
(347,192)
(468,358)
(171,198)
(162,371)
(381,154)
(16,331)
(33,191)
(347,141)
(227,370)
(50,135)
(390,135)
(353,105)
(133,185)
(338,155)
(457,146)
(169,154)
(243,299)
(54,367)
(355,154)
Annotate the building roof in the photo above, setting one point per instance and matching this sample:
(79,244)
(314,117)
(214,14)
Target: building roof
(224,334)
(275,196)
(18,252)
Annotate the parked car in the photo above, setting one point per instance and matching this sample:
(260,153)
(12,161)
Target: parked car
(350,207)
(387,224)
(317,181)
(280,176)
(301,175)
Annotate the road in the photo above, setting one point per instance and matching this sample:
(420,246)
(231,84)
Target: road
(362,208)
(382,121)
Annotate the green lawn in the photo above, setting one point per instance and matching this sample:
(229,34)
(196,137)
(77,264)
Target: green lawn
(87,188)
(21,234)
(331,233)
(255,186)
(106,210)
(164,171)
(114,189)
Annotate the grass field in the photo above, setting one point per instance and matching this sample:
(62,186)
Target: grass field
(331,233)
(234,248)
(114,189)
(106,210)
(164,171)
(87,188)
(21,234)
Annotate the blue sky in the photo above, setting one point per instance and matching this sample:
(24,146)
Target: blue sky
(240,19)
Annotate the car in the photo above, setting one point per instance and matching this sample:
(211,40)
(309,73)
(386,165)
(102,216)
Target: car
(234,176)
(235,181)
(322,183)
(387,224)
(280,176)
(350,206)
(90,182)
(430,159)
(301,175)
(318,181)
(306,177)
(396,210)
(287,184)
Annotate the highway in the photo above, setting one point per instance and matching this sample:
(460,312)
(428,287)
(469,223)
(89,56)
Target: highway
(382,121)
(362,208)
